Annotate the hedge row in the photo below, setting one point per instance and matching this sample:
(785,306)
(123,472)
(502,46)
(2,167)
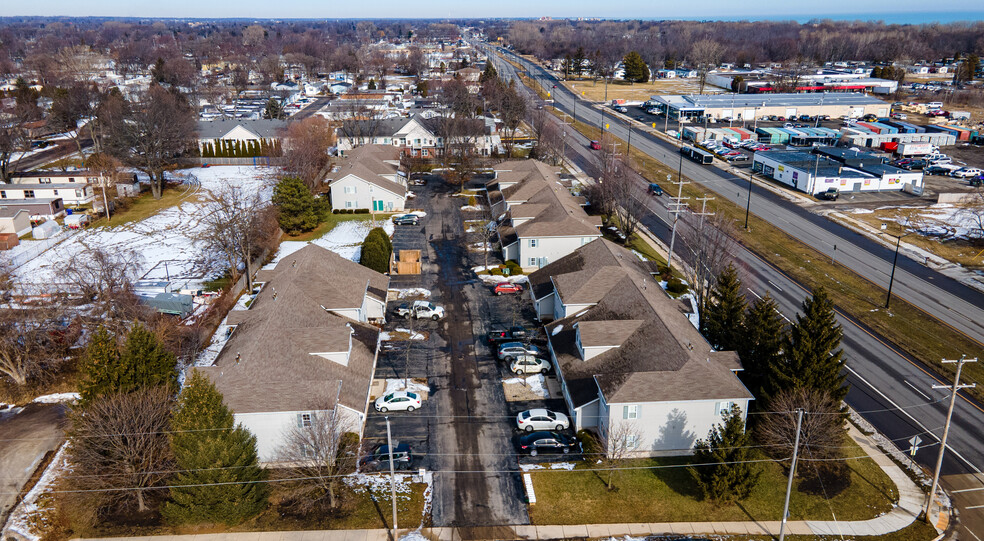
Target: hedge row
(350,211)
(224,148)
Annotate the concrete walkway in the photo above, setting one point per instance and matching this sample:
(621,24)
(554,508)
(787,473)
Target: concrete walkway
(911,500)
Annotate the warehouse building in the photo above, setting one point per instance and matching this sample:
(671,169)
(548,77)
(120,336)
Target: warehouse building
(749,107)
(831,167)
(823,80)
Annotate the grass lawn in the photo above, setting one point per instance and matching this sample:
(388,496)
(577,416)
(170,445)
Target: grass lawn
(329,224)
(904,325)
(145,206)
(670,495)
(960,251)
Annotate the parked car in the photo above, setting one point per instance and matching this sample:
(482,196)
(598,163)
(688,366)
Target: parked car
(398,401)
(378,459)
(509,350)
(406,219)
(939,159)
(542,419)
(830,194)
(507,287)
(420,309)
(937,169)
(594,145)
(498,336)
(967,172)
(529,364)
(655,189)
(418,182)
(535,443)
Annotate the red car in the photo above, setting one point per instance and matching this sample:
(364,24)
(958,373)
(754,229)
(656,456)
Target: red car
(595,145)
(506,287)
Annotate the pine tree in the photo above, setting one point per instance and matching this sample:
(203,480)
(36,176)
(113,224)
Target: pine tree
(729,477)
(380,233)
(490,74)
(299,210)
(635,68)
(100,365)
(812,357)
(760,349)
(145,362)
(374,255)
(724,315)
(211,450)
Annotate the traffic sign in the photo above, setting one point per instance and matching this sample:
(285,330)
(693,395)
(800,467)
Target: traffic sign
(914,444)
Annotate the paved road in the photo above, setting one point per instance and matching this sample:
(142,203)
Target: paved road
(954,303)
(26,435)
(891,390)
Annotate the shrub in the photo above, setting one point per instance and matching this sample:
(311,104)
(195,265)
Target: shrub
(374,255)
(362,211)
(299,210)
(334,211)
(676,287)
(514,268)
(471,200)
(495,272)
(589,443)
(380,234)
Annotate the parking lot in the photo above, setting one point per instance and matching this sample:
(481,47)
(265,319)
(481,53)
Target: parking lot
(465,430)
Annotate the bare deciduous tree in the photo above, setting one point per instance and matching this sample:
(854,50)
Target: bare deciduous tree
(822,431)
(710,240)
(33,340)
(105,278)
(974,212)
(617,442)
(705,54)
(118,447)
(319,453)
(306,150)
(236,225)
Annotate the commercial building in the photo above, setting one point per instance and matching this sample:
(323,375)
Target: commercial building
(757,106)
(832,167)
(822,80)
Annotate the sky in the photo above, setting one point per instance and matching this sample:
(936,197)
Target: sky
(888,10)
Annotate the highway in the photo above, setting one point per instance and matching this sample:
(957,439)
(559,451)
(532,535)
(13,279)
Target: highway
(891,390)
(954,303)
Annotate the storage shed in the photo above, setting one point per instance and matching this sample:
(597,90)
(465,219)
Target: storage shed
(46,230)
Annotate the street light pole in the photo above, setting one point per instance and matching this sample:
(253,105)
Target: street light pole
(389,444)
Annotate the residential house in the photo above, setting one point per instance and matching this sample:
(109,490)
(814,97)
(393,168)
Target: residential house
(627,355)
(71,194)
(56,177)
(541,221)
(418,135)
(16,221)
(369,178)
(305,345)
(261,132)
(38,209)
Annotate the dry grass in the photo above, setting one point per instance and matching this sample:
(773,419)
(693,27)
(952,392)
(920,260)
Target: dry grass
(595,90)
(960,251)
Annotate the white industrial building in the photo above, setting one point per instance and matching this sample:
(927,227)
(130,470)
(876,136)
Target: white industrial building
(847,171)
(757,106)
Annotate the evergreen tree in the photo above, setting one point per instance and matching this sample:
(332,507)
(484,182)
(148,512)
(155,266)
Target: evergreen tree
(210,449)
(635,68)
(760,349)
(729,477)
(380,233)
(724,315)
(100,366)
(298,209)
(374,254)
(145,362)
(579,62)
(812,357)
(372,84)
(490,74)
(273,109)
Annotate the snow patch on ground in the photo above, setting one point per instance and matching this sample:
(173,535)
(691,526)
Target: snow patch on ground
(418,213)
(492,279)
(471,207)
(555,466)
(378,487)
(18,522)
(537,384)
(345,239)
(413,292)
(56,398)
(170,235)
(388,335)
(557,329)
(393,385)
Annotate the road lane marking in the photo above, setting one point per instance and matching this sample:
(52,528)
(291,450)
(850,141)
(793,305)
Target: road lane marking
(911,418)
(914,388)
(774,285)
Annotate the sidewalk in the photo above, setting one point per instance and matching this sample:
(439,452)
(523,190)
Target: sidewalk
(911,500)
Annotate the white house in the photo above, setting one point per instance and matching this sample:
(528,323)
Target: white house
(15,220)
(417,135)
(304,346)
(259,131)
(369,178)
(71,194)
(627,356)
(541,221)
(55,177)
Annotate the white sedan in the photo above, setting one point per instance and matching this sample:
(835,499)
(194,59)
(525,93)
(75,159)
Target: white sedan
(399,400)
(542,419)
(528,364)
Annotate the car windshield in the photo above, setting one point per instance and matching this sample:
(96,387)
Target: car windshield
(388,397)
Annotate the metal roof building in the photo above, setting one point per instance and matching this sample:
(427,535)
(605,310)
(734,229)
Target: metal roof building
(751,106)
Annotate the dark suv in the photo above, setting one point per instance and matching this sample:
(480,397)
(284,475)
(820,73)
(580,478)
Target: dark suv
(378,460)
(511,335)
(654,189)
(406,219)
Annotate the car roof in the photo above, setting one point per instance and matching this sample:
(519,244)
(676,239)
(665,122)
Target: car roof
(539,411)
(539,434)
(510,345)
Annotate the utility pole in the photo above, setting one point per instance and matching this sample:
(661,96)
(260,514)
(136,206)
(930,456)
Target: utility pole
(946,428)
(389,445)
(628,147)
(748,204)
(792,471)
(703,211)
(675,207)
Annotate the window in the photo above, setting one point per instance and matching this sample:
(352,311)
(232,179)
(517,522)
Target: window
(533,243)
(3,194)
(79,193)
(45,180)
(56,192)
(28,194)
(71,179)
(721,408)
(632,441)
(416,141)
(630,412)
(351,189)
(349,204)
(532,262)
(305,420)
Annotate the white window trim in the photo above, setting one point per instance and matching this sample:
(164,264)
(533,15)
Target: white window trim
(630,412)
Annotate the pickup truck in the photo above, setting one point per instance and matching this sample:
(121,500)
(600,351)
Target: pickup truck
(513,334)
(420,309)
